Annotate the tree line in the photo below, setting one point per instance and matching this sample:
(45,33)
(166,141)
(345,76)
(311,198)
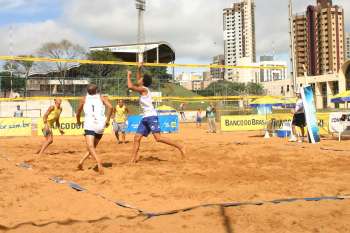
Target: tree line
(16,73)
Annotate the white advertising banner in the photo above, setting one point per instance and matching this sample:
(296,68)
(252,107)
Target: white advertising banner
(339,122)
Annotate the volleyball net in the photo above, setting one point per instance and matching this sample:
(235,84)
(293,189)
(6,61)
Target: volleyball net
(36,80)
(34,83)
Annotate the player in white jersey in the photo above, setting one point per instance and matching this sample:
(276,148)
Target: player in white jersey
(95,122)
(149,123)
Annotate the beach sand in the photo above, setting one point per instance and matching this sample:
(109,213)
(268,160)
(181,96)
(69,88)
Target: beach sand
(223,167)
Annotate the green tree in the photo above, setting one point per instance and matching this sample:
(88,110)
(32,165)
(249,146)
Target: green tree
(226,88)
(24,67)
(7,82)
(101,70)
(10,80)
(65,50)
(222,88)
(254,89)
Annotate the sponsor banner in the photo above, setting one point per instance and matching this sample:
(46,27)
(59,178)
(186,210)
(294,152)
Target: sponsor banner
(69,126)
(258,122)
(279,119)
(167,123)
(10,127)
(339,122)
(243,123)
(310,114)
(322,121)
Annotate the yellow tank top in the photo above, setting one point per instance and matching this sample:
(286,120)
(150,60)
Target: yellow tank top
(53,116)
(120,114)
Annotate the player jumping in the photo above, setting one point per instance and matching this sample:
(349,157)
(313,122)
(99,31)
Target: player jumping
(149,123)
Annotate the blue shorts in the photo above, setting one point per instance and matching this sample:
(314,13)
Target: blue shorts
(148,125)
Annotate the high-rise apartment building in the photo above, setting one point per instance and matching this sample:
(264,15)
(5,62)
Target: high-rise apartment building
(300,44)
(217,73)
(319,39)
(347,46)
(239,34)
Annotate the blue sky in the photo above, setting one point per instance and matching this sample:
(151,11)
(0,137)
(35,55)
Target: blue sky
(195,35)
(28,11)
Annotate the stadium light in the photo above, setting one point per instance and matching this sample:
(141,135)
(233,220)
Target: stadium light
(292,47)
(141,5)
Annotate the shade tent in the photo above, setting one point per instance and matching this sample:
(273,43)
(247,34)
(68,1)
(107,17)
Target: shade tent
(267,103)
(341,97)
(289,102)
(165,109)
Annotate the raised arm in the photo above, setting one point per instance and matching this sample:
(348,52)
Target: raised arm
(134,87)
(80,109)
(139,72)
(109,106)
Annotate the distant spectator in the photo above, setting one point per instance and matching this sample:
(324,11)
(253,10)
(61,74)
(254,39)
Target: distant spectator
(210,114)
(18,112)
(182,111)
(298,120)
(119,120)
(199,118)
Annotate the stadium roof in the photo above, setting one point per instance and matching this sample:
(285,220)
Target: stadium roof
(152,50)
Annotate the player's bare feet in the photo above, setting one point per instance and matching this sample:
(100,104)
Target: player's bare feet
(100,169)
(29,160)
(134,160)
(183,152)
(80,167)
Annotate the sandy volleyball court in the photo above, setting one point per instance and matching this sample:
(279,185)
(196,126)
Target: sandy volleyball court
(220,168)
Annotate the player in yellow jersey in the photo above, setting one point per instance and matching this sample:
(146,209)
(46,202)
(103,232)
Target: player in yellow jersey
(51,117)
(119,120)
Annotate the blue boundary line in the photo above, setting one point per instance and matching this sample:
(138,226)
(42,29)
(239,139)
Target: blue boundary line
(149,215)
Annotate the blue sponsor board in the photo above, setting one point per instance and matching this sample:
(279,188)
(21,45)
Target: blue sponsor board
(310,114)
(168,123)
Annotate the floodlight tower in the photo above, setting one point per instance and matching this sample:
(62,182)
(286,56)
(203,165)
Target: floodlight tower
(292,46)
(141,7)
(11,54)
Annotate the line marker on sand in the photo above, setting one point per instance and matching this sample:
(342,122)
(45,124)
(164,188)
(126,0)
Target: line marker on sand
(149,215)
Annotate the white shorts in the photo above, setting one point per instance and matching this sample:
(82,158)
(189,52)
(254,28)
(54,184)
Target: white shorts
(96,126)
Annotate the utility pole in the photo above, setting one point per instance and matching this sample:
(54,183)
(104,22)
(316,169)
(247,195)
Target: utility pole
(11,54)
(292,49)
(141,7)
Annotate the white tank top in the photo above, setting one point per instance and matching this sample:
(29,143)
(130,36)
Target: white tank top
(94,110)
(147,105)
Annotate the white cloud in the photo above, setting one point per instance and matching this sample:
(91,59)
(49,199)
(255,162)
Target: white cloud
(193,27)
(28,37)
(18,4)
